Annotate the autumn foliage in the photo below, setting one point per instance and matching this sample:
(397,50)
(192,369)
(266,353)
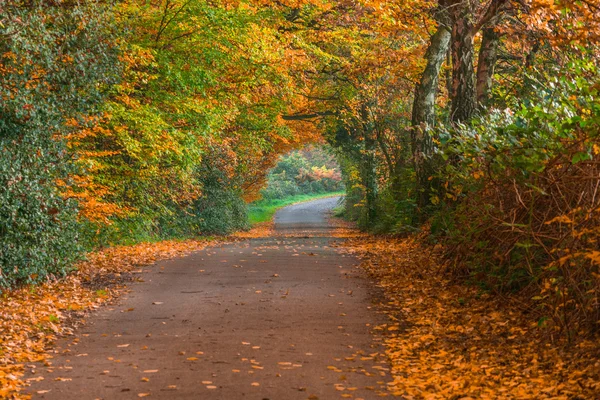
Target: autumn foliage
(446,340)
(136,121)
(479,124)
(473,123)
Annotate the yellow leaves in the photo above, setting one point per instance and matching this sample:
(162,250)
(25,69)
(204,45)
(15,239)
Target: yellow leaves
(482,349)
(259,230)
(594,256)
(478,174)
(563,219)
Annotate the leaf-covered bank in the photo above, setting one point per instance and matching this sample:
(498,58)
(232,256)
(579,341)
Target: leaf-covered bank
(446,340)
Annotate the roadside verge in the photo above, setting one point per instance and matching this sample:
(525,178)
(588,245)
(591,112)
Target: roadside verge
(446,340)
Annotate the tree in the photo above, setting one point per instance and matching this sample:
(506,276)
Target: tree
(465,25)
(423,114)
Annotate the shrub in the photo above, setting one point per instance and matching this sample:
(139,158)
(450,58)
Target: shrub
(522,209)
(220,209)
(55,62)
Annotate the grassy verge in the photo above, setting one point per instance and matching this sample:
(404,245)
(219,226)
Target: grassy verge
(263,210)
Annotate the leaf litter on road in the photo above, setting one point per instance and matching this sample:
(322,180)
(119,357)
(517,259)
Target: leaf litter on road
(32,317)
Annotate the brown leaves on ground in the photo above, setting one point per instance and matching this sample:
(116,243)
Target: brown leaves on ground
(32,317)
(449,341)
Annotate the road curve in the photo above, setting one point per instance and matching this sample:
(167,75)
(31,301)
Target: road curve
(306,217)
(278,318)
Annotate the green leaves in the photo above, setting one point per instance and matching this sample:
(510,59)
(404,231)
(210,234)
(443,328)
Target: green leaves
(55,63)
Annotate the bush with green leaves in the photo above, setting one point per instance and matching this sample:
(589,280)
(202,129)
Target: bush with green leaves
(221,209)
(55,63)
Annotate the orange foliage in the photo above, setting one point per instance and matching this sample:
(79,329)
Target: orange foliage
(83,187)
(445,340)
(566,21)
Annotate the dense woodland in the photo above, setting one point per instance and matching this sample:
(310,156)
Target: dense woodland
(476,122)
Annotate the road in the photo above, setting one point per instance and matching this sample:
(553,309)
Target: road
(279,318)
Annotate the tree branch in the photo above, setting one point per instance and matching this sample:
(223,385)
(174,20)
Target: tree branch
(302,117)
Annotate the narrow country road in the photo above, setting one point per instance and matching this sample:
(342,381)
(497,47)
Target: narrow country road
(280,318)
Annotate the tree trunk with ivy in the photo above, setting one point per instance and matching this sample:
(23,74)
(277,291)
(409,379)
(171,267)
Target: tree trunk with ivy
(369,165)
(423,114)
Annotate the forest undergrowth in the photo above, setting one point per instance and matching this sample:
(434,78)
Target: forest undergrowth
(448,340)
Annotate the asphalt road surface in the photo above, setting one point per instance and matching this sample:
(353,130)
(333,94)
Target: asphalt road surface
(281,318)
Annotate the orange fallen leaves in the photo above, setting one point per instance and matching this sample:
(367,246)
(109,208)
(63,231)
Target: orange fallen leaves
(32,317)
(261,230)
(449,341)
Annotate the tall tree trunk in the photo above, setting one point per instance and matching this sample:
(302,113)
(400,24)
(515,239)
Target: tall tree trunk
(423,114)
(369,166)
(488,54)
(370,178)
(448,74)
(463,73)
(423,111)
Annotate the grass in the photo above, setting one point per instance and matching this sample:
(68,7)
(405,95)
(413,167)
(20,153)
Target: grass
(264,210)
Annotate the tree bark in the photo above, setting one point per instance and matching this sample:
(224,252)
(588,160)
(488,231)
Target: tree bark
(488,54)
(423,111)
(463,73)
(370,178)
(423,114)
(369,166)
(465,93)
